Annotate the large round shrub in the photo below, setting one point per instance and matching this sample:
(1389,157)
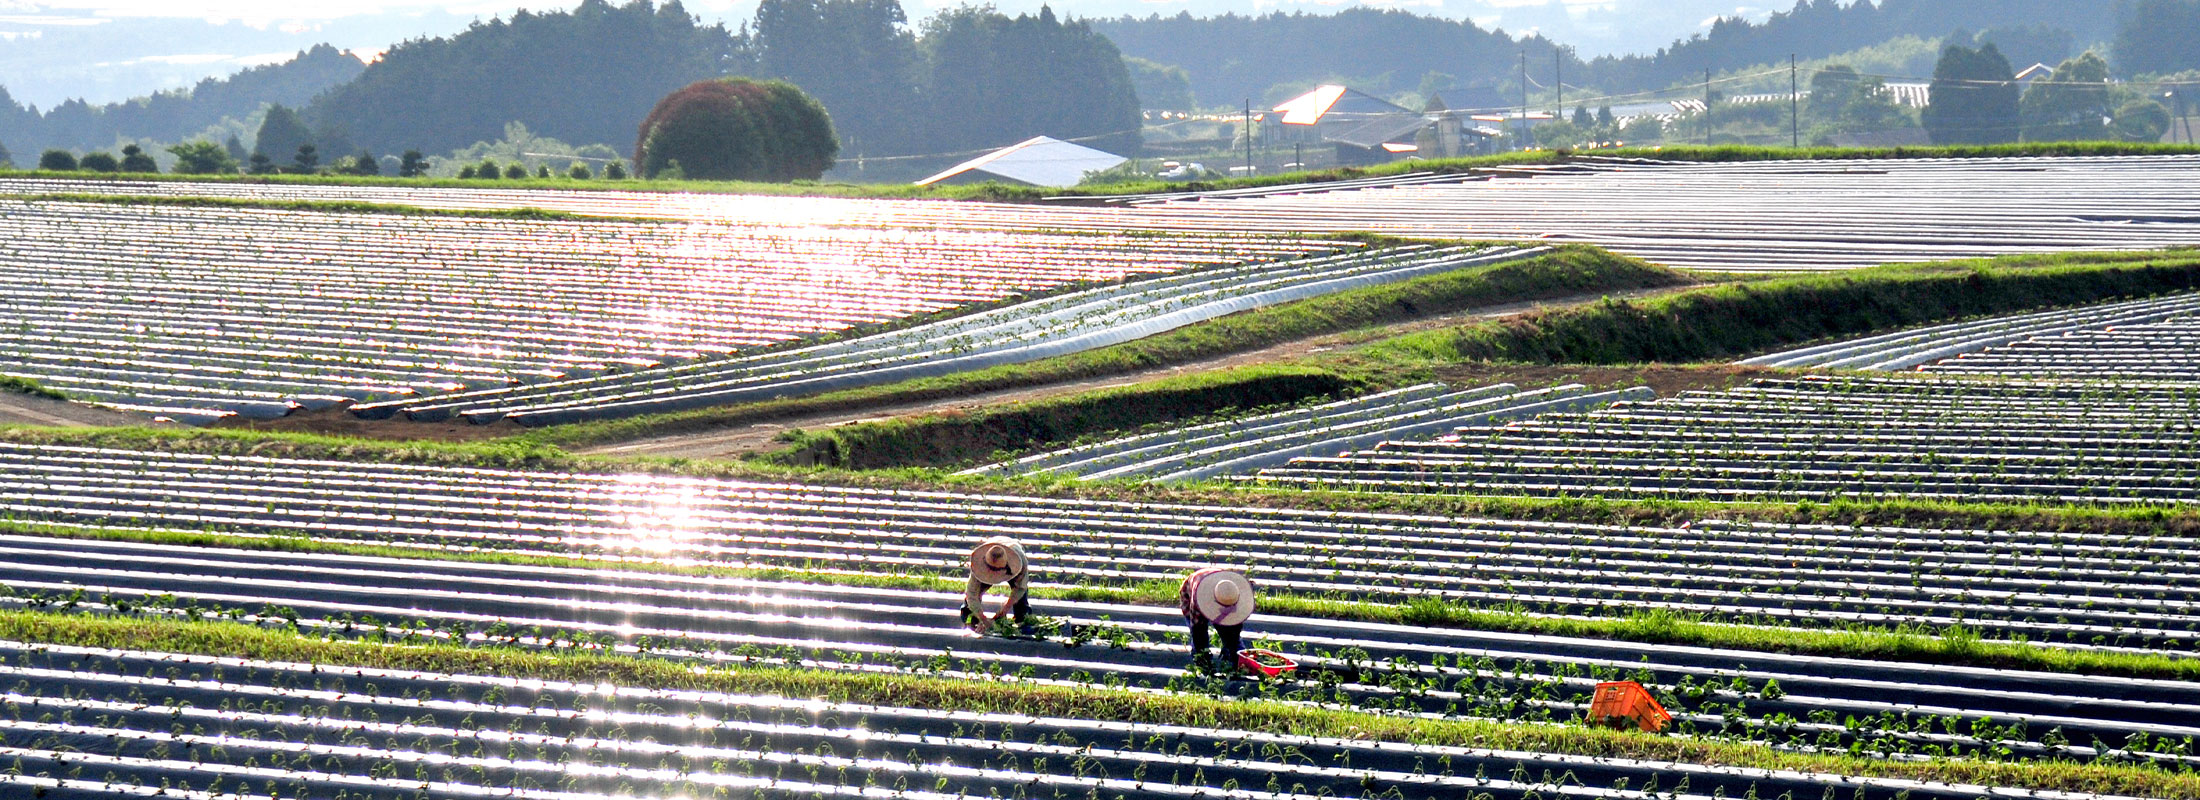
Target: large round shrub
(737,129)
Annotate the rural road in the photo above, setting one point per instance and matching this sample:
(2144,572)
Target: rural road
(23,409)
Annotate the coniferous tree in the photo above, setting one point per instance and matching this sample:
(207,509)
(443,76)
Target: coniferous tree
(307,160)
(281,133)
(854,56)
(365,164)
(2158,36)
(412,165)
(1973,97)
(134,159)
(580,76)
(997,80)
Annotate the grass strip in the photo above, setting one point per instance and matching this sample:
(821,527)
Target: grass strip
(999,192)
(1729,320)
(1954,646)
(214,638)
(10,383)
(335,207)
(1571,270)
(949,440)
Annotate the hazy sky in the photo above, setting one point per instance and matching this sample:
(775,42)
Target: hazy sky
(108,50)
(1509,13)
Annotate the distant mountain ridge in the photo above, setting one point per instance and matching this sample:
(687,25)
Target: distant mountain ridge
(175,115)
(1230,57)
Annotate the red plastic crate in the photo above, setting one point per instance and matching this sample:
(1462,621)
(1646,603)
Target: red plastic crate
(1624,704)
(1246,659)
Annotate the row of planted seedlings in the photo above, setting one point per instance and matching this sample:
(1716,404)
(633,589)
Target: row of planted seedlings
(1726,218)
(1928,345)
(305,302)
(1178,441)
(1245,445)
(213,723)
(952,336)
(1798,701)
(2111,591)
(1907,210)
(1076,322)
(2159,351)
(1817,438)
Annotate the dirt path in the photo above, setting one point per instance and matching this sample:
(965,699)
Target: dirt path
(758,437)
(24,409)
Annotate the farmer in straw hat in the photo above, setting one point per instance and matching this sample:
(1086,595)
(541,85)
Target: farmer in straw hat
(1219,597)
(994,562)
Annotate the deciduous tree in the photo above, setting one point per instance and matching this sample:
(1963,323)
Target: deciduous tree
(737,129)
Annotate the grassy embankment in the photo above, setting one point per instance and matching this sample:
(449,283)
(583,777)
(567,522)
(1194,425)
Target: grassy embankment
(1571,270)
(1699,325)
(998,192)
(15,385)
(200,637)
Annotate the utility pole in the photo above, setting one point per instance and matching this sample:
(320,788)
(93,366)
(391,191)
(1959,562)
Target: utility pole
(1523,99)
(1795,105)
(1558,78)
(1248,137)
(1707,105)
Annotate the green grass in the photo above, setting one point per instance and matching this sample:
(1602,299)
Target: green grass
(800,188)
(1725,321)
(1079,702)
(951,440)
(1953,646)
(1569,270)
(9,383)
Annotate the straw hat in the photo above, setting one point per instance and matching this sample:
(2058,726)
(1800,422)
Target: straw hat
(996,561)
(1224,597)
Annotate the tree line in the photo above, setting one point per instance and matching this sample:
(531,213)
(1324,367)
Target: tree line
(180,114)
(966,78)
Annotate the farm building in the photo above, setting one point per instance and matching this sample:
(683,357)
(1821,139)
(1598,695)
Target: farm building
(1363,128)
(1037,161)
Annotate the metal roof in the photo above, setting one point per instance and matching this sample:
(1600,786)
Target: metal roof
(1331,99)
(1039,161)
(1382,130)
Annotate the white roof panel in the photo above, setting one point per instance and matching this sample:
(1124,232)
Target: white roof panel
(1039,161)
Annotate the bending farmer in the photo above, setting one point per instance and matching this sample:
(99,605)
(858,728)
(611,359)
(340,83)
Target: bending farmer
(994,562)
(1219,597)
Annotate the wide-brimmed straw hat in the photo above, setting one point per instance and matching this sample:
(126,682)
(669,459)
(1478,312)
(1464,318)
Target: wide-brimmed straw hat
(1223,596)
(996,561)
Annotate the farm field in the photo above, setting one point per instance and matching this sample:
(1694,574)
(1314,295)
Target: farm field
(1947,562)
(1244,445)
(349,722)
(1724,217)
(2154,339)
(204,312)
(1068,323)
(1818,438)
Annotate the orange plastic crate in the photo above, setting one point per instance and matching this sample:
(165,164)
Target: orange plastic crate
(1623,704)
